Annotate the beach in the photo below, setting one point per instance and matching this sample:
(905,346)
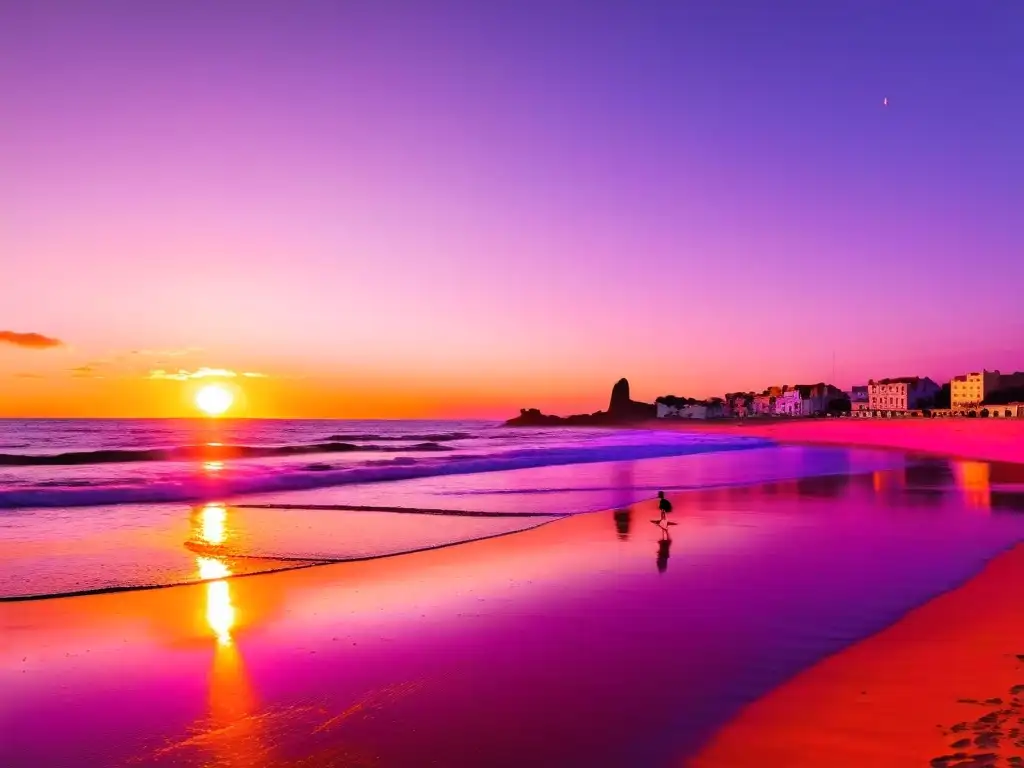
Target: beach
(942,687)
(596,638)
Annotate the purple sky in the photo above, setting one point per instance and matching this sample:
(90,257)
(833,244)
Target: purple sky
(524,199)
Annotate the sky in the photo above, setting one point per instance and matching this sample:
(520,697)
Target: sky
(400,209)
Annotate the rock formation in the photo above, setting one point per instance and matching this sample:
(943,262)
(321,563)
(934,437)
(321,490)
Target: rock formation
(621,410)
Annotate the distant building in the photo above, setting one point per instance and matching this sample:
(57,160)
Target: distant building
(1008,411)
(739,404)
(817,398)
(908,393)
(860,402)
(763,404)
(970,390)
(789,403)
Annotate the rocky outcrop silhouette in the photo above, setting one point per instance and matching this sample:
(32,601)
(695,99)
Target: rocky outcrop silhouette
(621,410)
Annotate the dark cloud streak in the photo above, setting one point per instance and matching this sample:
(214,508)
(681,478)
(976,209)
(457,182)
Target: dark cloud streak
(29,340)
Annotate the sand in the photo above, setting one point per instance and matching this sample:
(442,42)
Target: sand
(979,439)
(942,687)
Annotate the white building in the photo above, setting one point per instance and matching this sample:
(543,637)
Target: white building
(1008,411)
(790,403)
(909,393)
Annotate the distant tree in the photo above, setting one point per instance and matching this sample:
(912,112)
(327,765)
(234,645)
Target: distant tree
(1004,396)
(984,413)
(972,414)
(943,398)
(839,405)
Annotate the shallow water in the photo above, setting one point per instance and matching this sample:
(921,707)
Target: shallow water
(53,551)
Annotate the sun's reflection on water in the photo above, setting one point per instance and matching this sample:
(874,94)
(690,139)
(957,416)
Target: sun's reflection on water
(220,611)
(211,523)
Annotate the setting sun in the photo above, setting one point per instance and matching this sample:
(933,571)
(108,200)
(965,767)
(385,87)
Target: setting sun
(214,399)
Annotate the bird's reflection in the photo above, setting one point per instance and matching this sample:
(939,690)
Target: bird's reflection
(664,544)
(623,521)
(622,481)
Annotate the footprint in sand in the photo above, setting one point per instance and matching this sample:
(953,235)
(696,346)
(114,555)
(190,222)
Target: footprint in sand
(986,741)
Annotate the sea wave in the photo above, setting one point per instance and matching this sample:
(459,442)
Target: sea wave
(439,437)
(208,452)
(190,487)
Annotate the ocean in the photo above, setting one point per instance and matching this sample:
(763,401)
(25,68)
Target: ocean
(99,505)
(68,463)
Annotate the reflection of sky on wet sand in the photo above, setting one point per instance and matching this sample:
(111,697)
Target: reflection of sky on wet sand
(455,644)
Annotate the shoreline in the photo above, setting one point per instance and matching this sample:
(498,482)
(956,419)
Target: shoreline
(299,563)
(942,686)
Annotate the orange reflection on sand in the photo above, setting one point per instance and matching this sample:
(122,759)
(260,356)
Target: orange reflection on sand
(232,731)
(973,478)
(220,611)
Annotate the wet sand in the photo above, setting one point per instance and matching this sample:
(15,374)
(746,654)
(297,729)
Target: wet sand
(942,687)
(583,642)
(981,439)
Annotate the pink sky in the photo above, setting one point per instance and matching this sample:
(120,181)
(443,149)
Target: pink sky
(389,212)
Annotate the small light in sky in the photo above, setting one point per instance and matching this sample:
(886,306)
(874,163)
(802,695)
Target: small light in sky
(885,101)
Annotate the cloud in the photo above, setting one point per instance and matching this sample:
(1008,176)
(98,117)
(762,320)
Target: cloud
(88,371)
(166,352)
(201,373)
(29,340)
(28,376)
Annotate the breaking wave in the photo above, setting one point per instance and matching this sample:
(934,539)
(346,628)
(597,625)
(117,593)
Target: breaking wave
(192,486)
(209,452)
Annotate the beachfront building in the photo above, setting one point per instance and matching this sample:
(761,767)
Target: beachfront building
(739,404)
(1007,411)
(967,392)
(860,403)
(817,398)
(763,404)
(907,393)
(789,403)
